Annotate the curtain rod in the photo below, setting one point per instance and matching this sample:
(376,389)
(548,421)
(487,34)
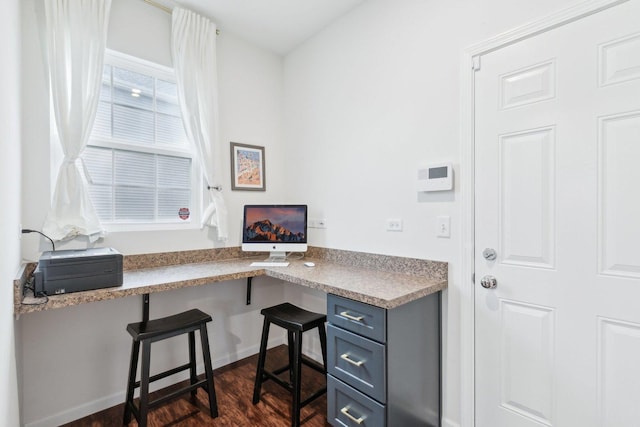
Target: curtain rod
(166,9)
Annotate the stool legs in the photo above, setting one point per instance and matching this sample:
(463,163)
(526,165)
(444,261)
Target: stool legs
(297,378)
(211,391)
(133,368)
(144,383)
(294,339)
(290,349)
(193,376)
(323,346)
(261,359)
(144,353)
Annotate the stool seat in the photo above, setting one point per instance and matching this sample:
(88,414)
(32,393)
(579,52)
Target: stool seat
(148,332)
(293,318)
(296,321)
(170,325)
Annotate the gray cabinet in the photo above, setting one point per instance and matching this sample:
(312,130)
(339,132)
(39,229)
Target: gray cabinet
(383,365)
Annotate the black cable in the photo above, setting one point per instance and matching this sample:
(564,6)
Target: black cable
(29,285)
(28,230)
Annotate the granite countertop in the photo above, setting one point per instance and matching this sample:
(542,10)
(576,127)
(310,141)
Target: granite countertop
(383,281)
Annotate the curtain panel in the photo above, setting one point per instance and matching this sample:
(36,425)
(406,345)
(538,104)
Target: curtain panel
(193,47)
(76,34)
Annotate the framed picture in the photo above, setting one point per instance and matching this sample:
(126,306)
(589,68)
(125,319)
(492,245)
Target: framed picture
(247,167)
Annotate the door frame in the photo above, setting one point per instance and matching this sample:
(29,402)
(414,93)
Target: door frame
(470,62)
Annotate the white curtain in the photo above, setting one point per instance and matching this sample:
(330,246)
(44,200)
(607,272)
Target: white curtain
(76,33)
(193,46)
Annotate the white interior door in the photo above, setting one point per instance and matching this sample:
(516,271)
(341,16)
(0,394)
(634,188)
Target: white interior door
(557,138)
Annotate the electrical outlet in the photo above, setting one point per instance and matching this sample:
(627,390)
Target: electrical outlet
(317,223)
(394,224)
(443,226)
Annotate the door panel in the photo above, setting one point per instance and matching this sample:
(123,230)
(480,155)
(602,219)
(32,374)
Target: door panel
(527,194)
(619,177)
(618,371)
(619,60)
(533,84)
(527,344)
(557,196)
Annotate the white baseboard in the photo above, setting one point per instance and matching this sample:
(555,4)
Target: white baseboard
(88,408)
(77,412)
(448,423)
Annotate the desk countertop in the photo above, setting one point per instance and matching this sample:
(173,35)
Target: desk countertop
(378,280)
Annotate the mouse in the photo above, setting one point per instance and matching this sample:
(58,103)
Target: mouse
(309,264)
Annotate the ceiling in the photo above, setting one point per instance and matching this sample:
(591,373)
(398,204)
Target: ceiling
(278,25)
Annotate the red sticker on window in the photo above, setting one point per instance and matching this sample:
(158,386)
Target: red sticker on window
(183,213)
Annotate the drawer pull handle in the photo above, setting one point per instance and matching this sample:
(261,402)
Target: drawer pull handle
(350,317)
(346,357)
(345,411)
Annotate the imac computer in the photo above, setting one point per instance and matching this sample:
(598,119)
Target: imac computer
(276,229)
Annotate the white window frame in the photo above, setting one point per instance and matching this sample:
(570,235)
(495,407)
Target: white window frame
(121,60)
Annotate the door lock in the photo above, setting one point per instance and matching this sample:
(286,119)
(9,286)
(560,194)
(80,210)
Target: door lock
(489,282)
(489,254)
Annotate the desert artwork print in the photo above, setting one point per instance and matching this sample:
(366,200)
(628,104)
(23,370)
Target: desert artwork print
(248,172)
(247,167)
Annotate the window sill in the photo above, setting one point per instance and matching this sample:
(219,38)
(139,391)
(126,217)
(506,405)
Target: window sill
(157,226)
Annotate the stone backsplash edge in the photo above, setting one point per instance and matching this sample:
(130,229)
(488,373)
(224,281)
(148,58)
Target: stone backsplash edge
(435,269)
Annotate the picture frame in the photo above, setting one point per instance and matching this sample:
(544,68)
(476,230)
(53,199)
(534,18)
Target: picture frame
(247,167)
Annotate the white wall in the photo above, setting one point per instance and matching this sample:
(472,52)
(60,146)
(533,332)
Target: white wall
(78,357)
(366,101)
(369,100)
(10,200)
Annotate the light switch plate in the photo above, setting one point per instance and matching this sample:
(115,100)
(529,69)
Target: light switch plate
(443,226)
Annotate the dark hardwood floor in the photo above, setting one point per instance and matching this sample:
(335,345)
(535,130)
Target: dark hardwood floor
(234,390)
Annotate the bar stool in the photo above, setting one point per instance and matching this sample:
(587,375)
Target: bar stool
(157,330)
(296,321)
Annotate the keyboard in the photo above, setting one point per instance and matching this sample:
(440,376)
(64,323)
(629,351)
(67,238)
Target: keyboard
(269,264)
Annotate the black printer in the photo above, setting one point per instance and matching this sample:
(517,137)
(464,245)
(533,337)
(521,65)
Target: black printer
(60,272)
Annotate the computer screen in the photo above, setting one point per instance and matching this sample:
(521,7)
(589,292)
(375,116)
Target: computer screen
(276,229)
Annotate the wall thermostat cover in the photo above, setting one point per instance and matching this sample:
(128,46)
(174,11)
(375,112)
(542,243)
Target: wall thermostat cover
(437,177)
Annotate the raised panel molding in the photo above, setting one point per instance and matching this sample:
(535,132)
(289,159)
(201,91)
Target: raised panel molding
(618,205)
(619,60)
(527,86)
(618,372)
(527,193)
(527,334)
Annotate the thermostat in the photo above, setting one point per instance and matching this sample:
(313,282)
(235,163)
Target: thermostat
(438,177)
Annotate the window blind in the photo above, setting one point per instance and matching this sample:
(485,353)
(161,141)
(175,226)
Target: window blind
(138,158)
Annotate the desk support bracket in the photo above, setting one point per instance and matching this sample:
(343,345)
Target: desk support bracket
(249,290)
(145,307)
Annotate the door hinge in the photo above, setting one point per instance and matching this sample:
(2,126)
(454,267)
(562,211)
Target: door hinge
(473,278)
(476,63)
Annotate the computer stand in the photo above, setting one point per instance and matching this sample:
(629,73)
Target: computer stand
(277,257)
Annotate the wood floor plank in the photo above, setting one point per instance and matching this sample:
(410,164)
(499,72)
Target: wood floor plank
(234,390)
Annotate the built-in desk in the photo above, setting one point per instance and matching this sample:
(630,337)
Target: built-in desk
(399,295)
(382,281)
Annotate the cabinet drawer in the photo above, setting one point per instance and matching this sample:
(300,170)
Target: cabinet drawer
(347,407)
(358,317)
(358,361)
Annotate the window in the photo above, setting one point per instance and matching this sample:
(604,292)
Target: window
(141,167)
